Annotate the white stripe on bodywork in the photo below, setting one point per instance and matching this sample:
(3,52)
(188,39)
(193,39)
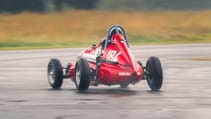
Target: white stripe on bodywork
(89,57)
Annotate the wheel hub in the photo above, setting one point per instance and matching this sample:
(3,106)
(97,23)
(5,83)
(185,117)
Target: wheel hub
(78,75)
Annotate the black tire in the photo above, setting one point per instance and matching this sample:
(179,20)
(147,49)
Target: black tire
(154,73)
(82,74)
(55,74)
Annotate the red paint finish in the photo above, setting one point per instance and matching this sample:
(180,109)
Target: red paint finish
(126,70)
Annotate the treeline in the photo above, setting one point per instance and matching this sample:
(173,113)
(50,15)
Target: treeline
(75,4)
(20,5)
(16,6)
(155,4)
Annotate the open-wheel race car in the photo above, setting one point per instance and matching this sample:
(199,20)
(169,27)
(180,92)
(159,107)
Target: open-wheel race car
(111,62)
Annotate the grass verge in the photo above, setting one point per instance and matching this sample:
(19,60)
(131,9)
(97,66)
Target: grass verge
(83,28)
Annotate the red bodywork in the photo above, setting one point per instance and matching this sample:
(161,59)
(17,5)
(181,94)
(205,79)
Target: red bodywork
(119,64)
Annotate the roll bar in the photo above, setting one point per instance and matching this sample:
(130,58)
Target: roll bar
(109,34)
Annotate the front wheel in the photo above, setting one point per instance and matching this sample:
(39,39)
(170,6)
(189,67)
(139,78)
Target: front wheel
(154,73)
(82,74)
(55,74)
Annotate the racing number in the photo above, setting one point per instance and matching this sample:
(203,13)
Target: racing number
(113,55)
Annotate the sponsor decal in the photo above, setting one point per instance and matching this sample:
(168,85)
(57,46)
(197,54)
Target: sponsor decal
(124,73)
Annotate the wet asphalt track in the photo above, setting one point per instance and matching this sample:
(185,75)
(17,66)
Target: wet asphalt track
(186,93)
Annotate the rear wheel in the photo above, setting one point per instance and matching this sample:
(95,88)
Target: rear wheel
(82,74)
(55,74)
(154,73)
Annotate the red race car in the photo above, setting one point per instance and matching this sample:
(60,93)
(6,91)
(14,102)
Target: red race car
(111,62)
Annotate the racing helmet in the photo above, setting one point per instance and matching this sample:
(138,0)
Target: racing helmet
(114,30)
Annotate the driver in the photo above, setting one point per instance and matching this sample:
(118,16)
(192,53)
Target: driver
(102,42)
